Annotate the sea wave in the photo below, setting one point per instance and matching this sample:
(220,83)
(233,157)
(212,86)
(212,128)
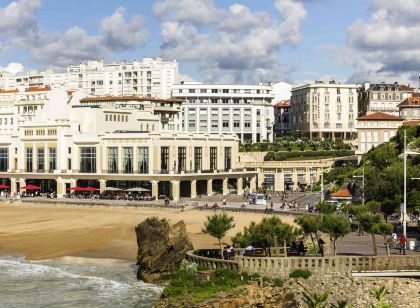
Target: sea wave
(49,282)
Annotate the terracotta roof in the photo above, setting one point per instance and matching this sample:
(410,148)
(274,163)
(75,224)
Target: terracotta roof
(406,88)
(283,103)
(9,91)
(380,116)
(416,94)
(37,89)
(412,123)
(129,98)
(342,193)
(410,101)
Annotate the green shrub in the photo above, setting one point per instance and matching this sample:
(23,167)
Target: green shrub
(300,273)
(278,282)
(280,156)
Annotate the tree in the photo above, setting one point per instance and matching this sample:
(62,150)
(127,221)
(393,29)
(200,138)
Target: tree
(326,208)
(374,224)
(268,233)
(388,207)
(336,226)
(217,225)
(310,225)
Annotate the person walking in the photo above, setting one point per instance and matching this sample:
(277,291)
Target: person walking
(403,240)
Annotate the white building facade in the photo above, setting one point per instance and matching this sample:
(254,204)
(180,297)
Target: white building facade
(325,110)
(72,140)
(151,77)
(244,110)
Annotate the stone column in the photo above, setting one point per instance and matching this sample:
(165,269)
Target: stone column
(13,186)
(253,184)
(61,188)
(194,189)
(225,186)
(240,186)
(73,183)
(22,182)
(155,190)
(175,190)
(209,187)
(102,185)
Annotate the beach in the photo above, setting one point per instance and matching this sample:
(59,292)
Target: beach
(45,231)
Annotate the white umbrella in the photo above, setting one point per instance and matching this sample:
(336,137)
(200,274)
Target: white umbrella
(112,189)
(137,189)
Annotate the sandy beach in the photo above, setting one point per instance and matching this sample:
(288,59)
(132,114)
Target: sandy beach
(52,231)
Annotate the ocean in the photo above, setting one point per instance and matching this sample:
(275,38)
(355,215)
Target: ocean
(72,282)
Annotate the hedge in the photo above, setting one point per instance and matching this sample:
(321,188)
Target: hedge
(279,156)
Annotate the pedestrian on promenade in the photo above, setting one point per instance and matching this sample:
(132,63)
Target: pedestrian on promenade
(403,240)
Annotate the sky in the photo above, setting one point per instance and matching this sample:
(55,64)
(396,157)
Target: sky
(242,41)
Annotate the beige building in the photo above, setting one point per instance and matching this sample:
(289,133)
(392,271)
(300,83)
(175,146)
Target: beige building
(285,175)
(73,141)
(325,110)
(375,129)
(409,109)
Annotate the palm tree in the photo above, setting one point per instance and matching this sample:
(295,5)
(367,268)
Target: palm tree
(217,226)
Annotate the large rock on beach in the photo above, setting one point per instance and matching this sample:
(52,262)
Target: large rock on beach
(161,248)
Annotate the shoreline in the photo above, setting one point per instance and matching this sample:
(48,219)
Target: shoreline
(45,231)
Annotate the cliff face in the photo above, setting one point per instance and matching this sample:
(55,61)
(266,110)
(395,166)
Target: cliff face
(402,292)
(161,248)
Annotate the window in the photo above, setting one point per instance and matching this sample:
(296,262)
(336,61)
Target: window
(236,124)
(112,160)
(52,155)
(225,101)
(69,150)
(247,124)
(4,159)
(197,158)
(164,159)
(143,161)
(213,158)
(214,91)
(182,157)
(29,157)
(226,124)
(214,124)
(191,123)
(191,91)
(203,90)
(339,125)
(128,160)
(40,159)
(258,112)
(228,158)
(338,116)
(88,160)
(225,90)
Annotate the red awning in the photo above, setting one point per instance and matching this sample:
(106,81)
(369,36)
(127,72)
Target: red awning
(31,187)
(4,186)
(90,189)
(76,188)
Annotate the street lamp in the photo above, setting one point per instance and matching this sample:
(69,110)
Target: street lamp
(404,211)
(363,184)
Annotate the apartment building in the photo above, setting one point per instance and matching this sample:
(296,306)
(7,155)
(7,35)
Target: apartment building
(243,110)
(151,77)
(381,97)
(375,129)
(325,110)
(409,109)
(282,118)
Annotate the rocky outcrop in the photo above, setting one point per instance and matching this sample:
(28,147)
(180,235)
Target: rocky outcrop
(247,296)
(161,248)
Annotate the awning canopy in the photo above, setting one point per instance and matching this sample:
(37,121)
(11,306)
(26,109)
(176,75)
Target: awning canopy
(137,189)
(112,189)
(30,187)
(4,186)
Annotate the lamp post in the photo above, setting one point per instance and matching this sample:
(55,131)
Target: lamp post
(404,210)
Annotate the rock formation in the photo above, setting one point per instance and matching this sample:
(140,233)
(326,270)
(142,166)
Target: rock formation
(161,248)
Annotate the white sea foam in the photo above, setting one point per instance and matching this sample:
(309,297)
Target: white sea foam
(52,281)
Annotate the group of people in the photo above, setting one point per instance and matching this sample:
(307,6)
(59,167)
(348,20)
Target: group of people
(298,248)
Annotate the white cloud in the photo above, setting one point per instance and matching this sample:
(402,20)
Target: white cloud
(281,91)
(13,68)
(119,35)
(229,45)
(19,29)
(385,47)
